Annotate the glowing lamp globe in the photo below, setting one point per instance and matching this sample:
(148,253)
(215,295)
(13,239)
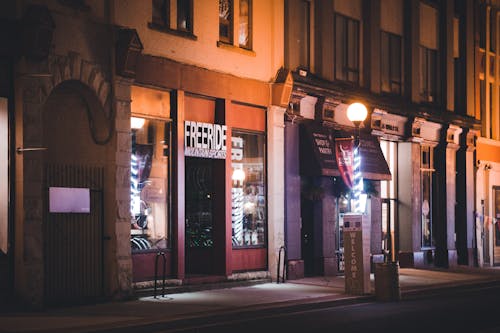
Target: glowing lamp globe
(357,112)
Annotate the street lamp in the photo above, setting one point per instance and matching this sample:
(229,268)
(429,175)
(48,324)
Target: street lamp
(356,113)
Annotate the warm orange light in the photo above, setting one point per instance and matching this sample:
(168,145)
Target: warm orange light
(357,112)
(137,123)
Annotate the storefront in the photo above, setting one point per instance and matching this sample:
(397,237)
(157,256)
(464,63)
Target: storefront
(488,202)
(198,184)
(317,194)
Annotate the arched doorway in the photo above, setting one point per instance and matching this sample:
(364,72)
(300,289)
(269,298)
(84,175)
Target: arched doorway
(73,222)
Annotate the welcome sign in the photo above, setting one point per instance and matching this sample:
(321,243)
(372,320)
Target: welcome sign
(204,140)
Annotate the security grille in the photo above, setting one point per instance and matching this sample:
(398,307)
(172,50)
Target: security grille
(73,250)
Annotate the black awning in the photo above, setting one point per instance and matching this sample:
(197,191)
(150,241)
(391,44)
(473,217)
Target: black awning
(317,153)
(373,163)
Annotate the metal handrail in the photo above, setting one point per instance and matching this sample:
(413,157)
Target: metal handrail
(162,255)
(282,249)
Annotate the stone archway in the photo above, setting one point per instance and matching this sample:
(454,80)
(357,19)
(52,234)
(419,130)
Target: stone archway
(68,74)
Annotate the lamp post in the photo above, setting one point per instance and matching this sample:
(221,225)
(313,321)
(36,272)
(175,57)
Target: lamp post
(356,113)
(356,227)
(387,273)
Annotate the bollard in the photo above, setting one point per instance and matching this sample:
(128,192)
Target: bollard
(387,282)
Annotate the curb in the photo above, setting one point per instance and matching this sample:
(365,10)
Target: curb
(192,320)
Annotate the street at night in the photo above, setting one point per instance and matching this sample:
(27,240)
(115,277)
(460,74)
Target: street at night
(249,166)
(471,309)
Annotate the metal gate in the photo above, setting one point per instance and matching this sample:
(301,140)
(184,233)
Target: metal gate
(73,249)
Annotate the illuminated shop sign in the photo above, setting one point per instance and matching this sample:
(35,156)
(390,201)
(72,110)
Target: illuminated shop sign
(205,140)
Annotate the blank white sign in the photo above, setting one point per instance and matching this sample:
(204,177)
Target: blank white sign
(69,200)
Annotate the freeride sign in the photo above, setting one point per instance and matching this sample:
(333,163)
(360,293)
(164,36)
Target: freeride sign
(204,140)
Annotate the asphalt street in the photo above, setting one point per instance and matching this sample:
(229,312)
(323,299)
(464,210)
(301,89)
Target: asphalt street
(471,309)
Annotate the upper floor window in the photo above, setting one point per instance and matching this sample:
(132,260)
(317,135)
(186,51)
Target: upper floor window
(245,33)
(428,75)
(297,35)
(226,21)
(161,13)
(493,30)
(176,15)
(235,23)
(346,49)
(391,62)
(429,46)
(184,15)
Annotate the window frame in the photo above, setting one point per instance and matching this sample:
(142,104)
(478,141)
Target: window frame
(167,24)
(249,44)
(167,131)
(395,85)
(263,137)
(227,23)
(429,75)
(427,175)
(343,53)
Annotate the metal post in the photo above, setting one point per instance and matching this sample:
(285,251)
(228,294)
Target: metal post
(158,255)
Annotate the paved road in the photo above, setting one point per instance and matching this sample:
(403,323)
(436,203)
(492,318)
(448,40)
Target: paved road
(473,309)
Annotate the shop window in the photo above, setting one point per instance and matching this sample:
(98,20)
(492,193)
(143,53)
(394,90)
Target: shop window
(249,213)
(226,21)
(150,184)
(496,198)
(346,49)
(389,196)
(426,172)
(4,171)
(390,67)
(343,207)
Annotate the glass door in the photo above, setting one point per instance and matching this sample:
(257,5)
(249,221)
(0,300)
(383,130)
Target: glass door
(496,224)
(199,215)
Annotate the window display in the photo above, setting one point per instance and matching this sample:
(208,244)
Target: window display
(248,190)
(427,171)
(149,184)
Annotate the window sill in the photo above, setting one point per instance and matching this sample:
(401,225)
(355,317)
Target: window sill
(179,33)
(234,48)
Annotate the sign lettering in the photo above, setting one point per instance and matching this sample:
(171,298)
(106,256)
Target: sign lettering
(205,140)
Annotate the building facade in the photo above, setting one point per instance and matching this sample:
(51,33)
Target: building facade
(142,142)
(408,62)
(487,95)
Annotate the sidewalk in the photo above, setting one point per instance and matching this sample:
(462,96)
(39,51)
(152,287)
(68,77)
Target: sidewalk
(177,308)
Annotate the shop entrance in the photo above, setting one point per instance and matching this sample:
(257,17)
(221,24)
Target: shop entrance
(307,233)
(73,221)
(200,215)
(496,226)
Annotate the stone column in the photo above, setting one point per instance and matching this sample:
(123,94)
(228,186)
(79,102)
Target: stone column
(293,222)
(452,138)
(409,206)
(118,183)
(29,273)
(275,185)
(470,198)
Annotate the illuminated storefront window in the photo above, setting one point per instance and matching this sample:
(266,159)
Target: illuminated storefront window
(426,171)
(149,184)
(248,189)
